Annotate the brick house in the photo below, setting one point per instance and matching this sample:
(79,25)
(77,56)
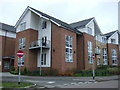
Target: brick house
(7,46)
(48,42)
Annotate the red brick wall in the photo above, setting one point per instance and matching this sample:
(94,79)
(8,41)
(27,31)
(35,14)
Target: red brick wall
(58,49)
(30,55)
(82,51)
(112,46)
(8,46)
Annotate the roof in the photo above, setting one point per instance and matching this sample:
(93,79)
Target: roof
(81,23)
(7,27)
(110,33)
(61,23)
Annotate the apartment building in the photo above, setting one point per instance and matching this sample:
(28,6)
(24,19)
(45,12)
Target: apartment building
(61,46)
(7,46)
(48,42)
(108,45)
(113,47)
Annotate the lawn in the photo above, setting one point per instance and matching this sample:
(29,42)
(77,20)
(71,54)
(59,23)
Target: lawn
(14,84)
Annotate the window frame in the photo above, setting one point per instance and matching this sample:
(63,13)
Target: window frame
(105,61)
(22,43)
(44,24)
(23,26)
(114,56)
(68,48)
(90,52)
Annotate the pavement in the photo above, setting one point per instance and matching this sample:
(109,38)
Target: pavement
(65,81)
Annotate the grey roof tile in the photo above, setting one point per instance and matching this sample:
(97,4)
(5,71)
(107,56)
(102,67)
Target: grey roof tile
(80,23)
(7,27)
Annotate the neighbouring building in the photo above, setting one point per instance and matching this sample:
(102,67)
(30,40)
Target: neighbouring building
(7,46)
(48,42)
(113,47)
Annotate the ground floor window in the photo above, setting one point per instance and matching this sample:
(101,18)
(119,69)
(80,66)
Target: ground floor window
(6,65)
(98,61)
(114,56)
(43,61)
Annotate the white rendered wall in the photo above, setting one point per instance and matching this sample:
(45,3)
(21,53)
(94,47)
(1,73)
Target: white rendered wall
(42,33)
(91,25)
(114,36)
(27,19)
(34,21)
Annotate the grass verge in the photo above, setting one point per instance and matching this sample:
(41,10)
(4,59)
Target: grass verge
(15,84)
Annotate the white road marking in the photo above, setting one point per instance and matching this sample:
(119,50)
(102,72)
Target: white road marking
(51,82)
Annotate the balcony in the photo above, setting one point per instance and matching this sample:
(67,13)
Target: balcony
(97,51)
(37,44)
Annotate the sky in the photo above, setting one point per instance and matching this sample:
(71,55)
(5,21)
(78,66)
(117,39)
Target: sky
(69,11)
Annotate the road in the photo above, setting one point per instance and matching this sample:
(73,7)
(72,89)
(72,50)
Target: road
(66,82)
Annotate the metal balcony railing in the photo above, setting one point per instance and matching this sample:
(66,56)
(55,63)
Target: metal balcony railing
(40,43)
(97,51)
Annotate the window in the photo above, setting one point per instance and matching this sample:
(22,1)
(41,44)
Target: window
(43,61)
(44,39)
(23,26)
(90,52)
(69,49)
(21,43)
(89,30)
(105,56)
(104,39)
(6,65)
(113,41)
(21,61)
(114,57)
(44,24)
(98,61)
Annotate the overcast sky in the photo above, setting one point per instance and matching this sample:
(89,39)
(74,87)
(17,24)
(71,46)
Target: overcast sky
(69,11)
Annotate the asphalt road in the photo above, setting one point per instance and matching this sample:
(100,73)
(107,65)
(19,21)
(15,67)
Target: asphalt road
(66,82)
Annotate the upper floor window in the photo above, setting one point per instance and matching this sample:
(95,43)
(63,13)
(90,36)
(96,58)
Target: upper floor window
(23,26)
(113,41)
(114,56)
(69,49)
(89,30)
(104,40)
(21,43)
(44,24)
(90,52)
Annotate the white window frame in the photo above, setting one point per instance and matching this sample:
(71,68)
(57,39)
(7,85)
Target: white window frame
(89,30)
(98,61)
(68,49)
(105,62)
(114,56)
(21,43)
(23,26)
(44,24)
(90,52)
(44,59)
(113,41)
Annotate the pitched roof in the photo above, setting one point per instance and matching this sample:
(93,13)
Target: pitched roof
(63,24)
(110,33)
(7,27)
(81,23)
